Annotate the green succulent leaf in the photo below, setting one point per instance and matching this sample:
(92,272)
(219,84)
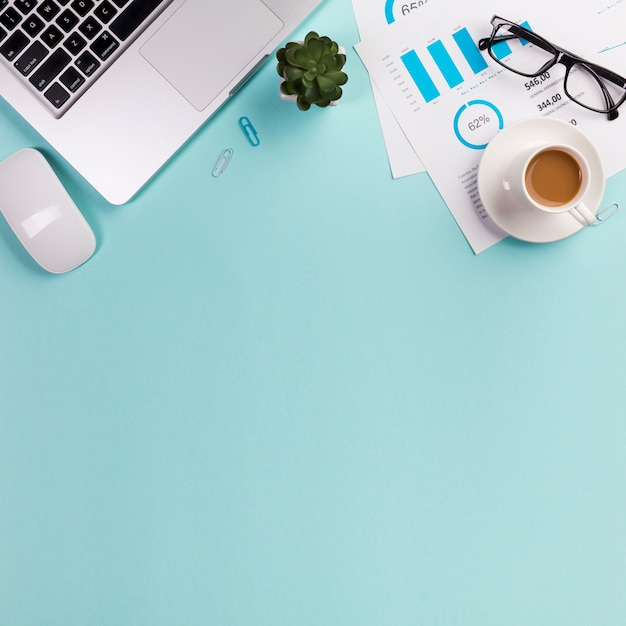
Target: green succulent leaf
(327,88)
(287,88)
(329,63)
(292,73)
(299,57)
(339,78)
(299,87)
(316,49)
(303,103)
(312,93)
(309,36)
(305,82)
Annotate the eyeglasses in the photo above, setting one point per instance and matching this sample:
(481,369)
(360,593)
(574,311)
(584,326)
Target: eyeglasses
(589,85)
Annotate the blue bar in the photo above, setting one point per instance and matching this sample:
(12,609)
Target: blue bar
(420,76)
(445,63)
(501,50)
(470,50)
(525,25)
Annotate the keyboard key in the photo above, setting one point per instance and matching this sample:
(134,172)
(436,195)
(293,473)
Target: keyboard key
(120,3)
(25,6)
(33,56)
(87,63)
(82,7)
(33,25)
(48,9)
(74,43)
(90,27)
(57,95)
(72,79)
(51,36)
(56,62)
(3,34)
(132,17)
(14,45)
(104,46)
(10,18)
(67,20)
(105,12)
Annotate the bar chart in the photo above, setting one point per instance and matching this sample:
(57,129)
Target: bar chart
(448,64)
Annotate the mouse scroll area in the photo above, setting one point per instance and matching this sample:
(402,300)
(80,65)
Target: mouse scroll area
(41,213)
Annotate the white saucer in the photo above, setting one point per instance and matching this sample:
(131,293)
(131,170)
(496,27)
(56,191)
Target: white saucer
(504,209)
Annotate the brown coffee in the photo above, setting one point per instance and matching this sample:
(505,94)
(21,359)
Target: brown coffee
(553,177)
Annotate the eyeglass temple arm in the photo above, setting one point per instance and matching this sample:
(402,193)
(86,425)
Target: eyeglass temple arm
(605,73)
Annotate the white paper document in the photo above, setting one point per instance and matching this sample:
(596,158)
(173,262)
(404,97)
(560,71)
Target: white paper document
(450,99)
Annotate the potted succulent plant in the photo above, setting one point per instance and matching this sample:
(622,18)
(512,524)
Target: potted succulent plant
(311,71)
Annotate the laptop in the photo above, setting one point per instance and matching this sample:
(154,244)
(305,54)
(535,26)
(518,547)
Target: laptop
(118,86)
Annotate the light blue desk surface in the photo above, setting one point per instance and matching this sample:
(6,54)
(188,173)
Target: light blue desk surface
(293,395)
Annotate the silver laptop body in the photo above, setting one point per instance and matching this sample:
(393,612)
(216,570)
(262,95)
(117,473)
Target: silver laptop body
(160,88)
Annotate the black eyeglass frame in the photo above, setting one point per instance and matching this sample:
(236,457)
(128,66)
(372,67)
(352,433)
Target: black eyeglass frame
(559,55)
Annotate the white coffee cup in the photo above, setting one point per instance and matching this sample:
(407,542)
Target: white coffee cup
(552,178)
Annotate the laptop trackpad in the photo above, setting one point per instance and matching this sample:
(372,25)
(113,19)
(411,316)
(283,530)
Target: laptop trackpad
(207,44)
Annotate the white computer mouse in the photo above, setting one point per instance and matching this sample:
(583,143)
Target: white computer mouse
(42,214)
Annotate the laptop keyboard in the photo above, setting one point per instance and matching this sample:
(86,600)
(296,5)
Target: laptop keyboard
(58,48)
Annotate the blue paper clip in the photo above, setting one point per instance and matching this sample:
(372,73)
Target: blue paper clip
(222,162)
(249,131)
(608,211)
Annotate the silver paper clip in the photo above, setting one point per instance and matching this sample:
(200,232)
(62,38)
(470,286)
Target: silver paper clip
(249,131)
(222,162)
(604,213)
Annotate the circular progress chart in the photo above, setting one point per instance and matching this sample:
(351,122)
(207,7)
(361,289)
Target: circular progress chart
(477,123)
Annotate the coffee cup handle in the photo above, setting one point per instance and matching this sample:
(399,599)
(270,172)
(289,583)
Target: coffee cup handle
(583,214)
